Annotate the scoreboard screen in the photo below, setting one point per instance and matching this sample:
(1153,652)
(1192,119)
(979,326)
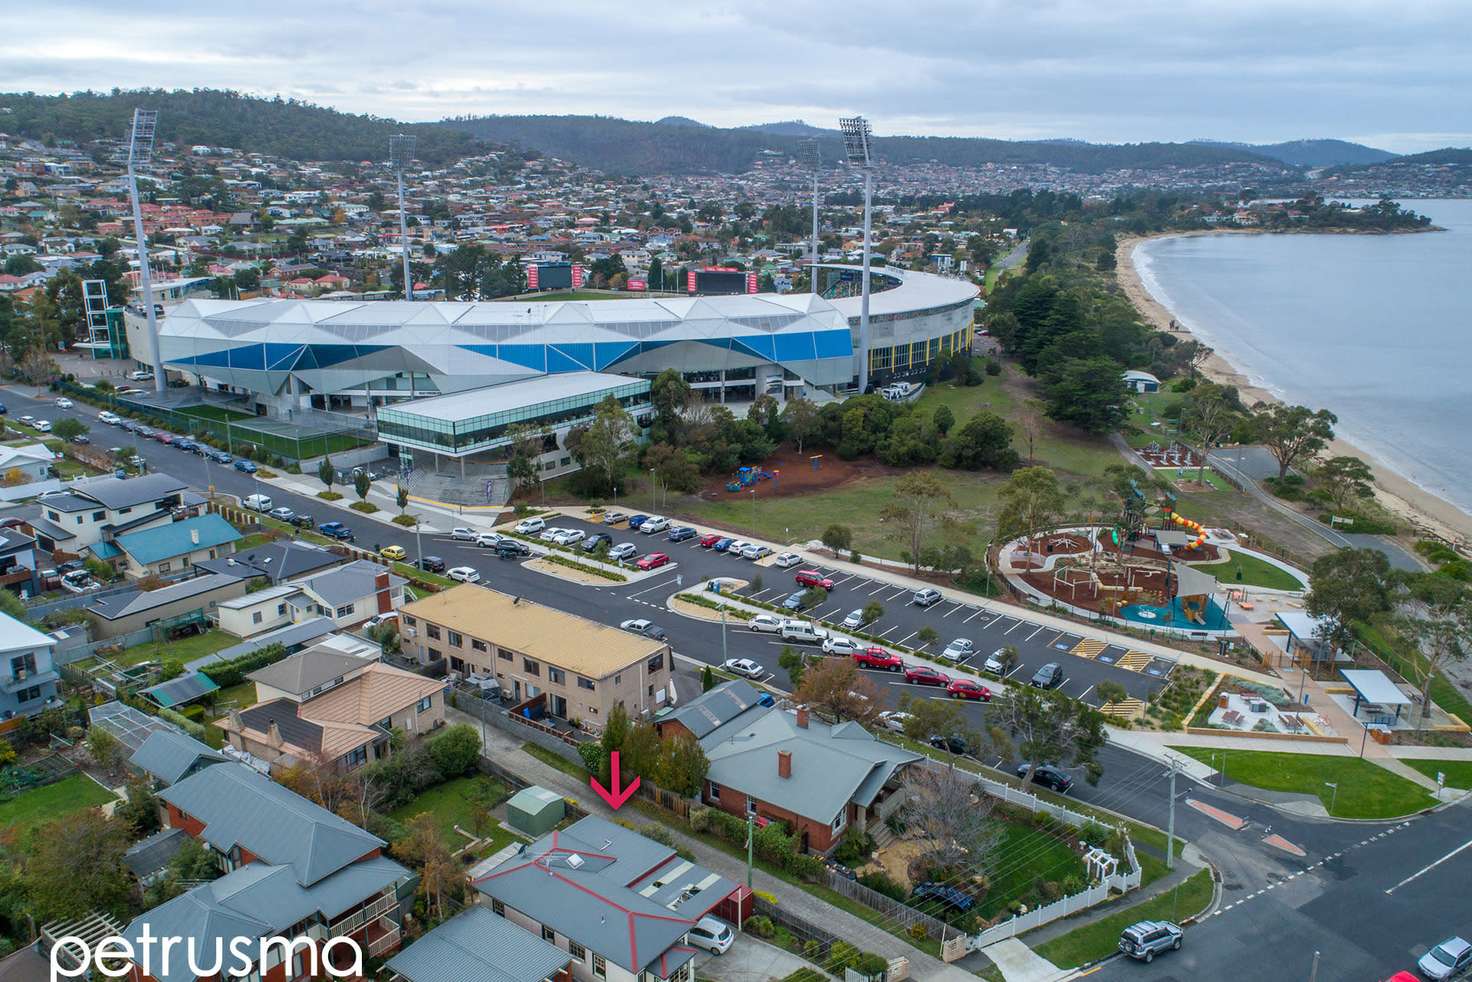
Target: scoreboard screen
(719,282)
(549,276)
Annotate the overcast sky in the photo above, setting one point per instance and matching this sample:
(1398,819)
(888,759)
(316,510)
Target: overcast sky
(1390,74)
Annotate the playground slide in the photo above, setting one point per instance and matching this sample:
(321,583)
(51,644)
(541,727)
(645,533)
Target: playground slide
(1196,527)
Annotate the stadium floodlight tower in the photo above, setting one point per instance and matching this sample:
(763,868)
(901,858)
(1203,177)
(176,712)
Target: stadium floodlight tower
(140,155)
(400,152)
(814,158)
(856,145)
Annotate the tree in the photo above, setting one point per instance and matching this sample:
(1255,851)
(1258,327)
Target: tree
(932,718)
(1293,434)
(107,751)
(1089,393)
(837,688)
(1344,481)
(984,442)
(707,679)
(944,810)
(74,866)
(1344,587)
(793,662)
(139,810)
(423,848)
(917,508)
(326,473)
(670,395)
(1208,415)
(839,538)
(1008,656)
(1031,500)
(943,419)
(1045,726)
(640,752)
(455,750)
(401,498)
(68,428)
(873,610)
(800,419)
(604,445)
(1442,634)
(682,765)
(361,484)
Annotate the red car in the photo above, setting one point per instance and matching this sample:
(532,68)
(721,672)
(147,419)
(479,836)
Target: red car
(967,689)
(811,578)
(708,540)
(653,561)
(925,675)
(877,657)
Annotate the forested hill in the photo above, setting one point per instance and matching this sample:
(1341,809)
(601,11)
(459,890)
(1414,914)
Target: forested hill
(282,127)
(622,146)
(1312,153)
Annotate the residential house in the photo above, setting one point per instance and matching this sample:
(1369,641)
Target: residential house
(169,756)
(27,463)
(819,779)
(176,546)
(28,675)
(350,594)
(572,667)
(264,610)
(293,638)
(620,904)
(149,859)
(292,869)
(277,562)
(476,944)
(90,514)
(18,563)
(175,606)
(336,709)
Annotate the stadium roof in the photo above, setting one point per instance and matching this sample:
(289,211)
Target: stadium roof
(520,395)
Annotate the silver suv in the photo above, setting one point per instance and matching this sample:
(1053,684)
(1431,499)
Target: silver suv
(1144,939)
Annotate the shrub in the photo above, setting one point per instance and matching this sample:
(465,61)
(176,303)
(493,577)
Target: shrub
(658,833)
(329,495)
(841,955)
(759,925)
(366,507)
(455,750)
(993,367)
(855,847)
(883,883)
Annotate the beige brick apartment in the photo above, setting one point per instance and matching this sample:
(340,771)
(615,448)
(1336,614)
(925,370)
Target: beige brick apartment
(579,668)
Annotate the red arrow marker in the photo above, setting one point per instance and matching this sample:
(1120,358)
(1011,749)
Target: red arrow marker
(614,798)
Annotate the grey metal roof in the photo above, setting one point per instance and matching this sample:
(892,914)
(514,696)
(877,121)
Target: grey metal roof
(611,890)
(170,755)
(307,669)
(346,584)
(239,806)
(717,707)
(50,529)
(291,636)
(154,853)
(831,765)
(477,944)
(283,559)
(125,492)
(141,601)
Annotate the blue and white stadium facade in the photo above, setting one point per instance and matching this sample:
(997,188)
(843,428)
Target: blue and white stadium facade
(289,354)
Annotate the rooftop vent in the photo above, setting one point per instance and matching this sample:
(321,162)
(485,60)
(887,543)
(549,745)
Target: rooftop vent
(575,861)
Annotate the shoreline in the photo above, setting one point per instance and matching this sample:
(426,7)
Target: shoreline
(1398,494)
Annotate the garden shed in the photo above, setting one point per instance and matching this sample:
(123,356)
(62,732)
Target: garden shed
(535,811)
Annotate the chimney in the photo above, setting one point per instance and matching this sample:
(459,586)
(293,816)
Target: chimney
(784,763)
(380,587)
(273,735)
(235,720)
(802,716)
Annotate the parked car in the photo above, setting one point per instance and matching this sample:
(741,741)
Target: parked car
(958,650)
(943,895)
(110,418)
(81,439)
(220,457)
(925,675)
(1145,939)
(302,521)
(765,623)
(995,663)
(1050,676)
(853,620)
(708,539)
(167,439)
(488,540)
(813,578)
(950,744)
(512,549)
(282,514)
(623,551)
(653,561)
(736,546)
(614,517)
(393,553)
(257,502)
(801,631)
(969,689)
(877,657)
(680,533)
(1048,776)
(843,647)
(141,376)
(79,581)
(378,620)
(463,574)
(1447,960)
(647,628)
(722,544)
(431,564)
(462,534)
(550,533)
(712,934)
(787,560)
(530,526)
(927,597)
(64,403)
(187,445)
(744,666)
(793,601)
(654,525)
(635,521)
(336,530)
(42,426)
(245,466)
(754,551)
(592,542)
(4,410)
(569,537)
(894,720)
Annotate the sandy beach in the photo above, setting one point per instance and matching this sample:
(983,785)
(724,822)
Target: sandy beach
(1418,507)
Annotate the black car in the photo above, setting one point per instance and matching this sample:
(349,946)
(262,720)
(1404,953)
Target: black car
(953,743)
(512,549)
(81,438)
(432,564)
(3,410)
(1050,676)
(302,521)
(944,895)
(1048,776)
(592,542)
(681,533)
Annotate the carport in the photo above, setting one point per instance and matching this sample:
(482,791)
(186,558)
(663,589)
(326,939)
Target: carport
(1373,688)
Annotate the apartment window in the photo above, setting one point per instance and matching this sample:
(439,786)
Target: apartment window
(281,610)
(255,618)
(503,654)
(600,967)
(433,630)
(29,695)
(618,679)
(576,950)
(53,516)
(842,817)
(434,654)
(531,667)
(656,663)
(651,692)
(424,703)
(410,620)
(715,792)
(164,567)
(98,516)
(477,645)
(548,934)
(387,722)
(124,511)
(22,663)
(585,683)
(358,757)
(456,664)
(456,641)
(556,675)
(346,610)
(498,908)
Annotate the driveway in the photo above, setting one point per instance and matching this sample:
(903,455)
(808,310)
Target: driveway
(750,960)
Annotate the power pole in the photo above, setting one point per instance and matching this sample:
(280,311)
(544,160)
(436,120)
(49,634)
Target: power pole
(723,634)
(1313,975)
(750,818)
(1170,827)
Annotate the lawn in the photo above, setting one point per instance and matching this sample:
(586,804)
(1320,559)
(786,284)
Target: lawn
(1025,858)
(1365,789)
(38,806)
(1248,570)
(181,650)
(454,803)
(215,412)
(1458,772)
(1382,638)
(242,694)
(571,295)
(1101,938)
(552,759)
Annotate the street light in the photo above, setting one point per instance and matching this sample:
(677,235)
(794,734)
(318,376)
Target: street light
(400,153)
(1334,796)
(856,145)
(140,154)
(814,159)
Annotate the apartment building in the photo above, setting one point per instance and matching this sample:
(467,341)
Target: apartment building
(28,676)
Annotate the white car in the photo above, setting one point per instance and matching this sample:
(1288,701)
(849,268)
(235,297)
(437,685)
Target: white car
(530,526)
(994,663)
(753,551)
(141,376)
(894,720)
(712,934)
(766,623)
(491,539)
(392,617)
(654,524)
(28,419)
(958,650)
(787,560)
(744,666)
(841,646)
(568,537)
(42,426)
(550,533)
(622,551)
(464,534)
(111,419)
(734,549)
(854,620)
(463,574)
(64,403)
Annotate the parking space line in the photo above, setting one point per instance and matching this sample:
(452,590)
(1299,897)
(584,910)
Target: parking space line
(656,586)
(1086,692)
(886,631)
(951,611)
(1014,671)
(897,593)
(977,613)
(907,637)
(992,621)
(1014,627)
(758,596)
(838,583)
(1034,634)
(879,589)
(827,613)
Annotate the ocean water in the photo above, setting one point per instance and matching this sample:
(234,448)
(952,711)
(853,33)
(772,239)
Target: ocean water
(1375,328)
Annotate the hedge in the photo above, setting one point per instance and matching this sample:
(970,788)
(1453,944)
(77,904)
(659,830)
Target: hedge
(233,672)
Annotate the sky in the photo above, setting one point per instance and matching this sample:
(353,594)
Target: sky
(1392,75)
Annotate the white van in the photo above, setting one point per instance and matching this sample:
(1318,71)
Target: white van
(257,502)
(801,631)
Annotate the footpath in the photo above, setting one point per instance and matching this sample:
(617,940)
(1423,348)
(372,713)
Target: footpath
(505,750)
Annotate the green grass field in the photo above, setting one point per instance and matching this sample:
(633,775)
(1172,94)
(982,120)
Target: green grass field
(1254,572)
(1025,858)
(214,412)
(1366,790)
(454,803)
(1458,772)
(32,809)
(1383,639)
(1097,940)
(571,295)
(182,650)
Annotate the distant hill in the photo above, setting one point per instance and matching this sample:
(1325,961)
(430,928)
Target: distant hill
(791,127)
(282,127)
(1311,153)
(680,121)
(621,146)
(1446,156)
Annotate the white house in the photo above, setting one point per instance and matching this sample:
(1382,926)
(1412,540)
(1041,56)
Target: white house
(255,613)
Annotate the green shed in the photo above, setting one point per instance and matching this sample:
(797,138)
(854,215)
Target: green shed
(535,811)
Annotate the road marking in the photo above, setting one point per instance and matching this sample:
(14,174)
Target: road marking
(879,589)
(1085,692)
(907,637)
(1231,821)
(897,593)
(758,596)
(652,588)
(1033,634)
(974,616)
(887,630)
(1278,842)
(992,621)
(951,611)
(1426,869)
(1014,671)
(1014,627)
(839,583)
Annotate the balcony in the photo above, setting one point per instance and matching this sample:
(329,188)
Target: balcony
(354,922)
(383,935)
